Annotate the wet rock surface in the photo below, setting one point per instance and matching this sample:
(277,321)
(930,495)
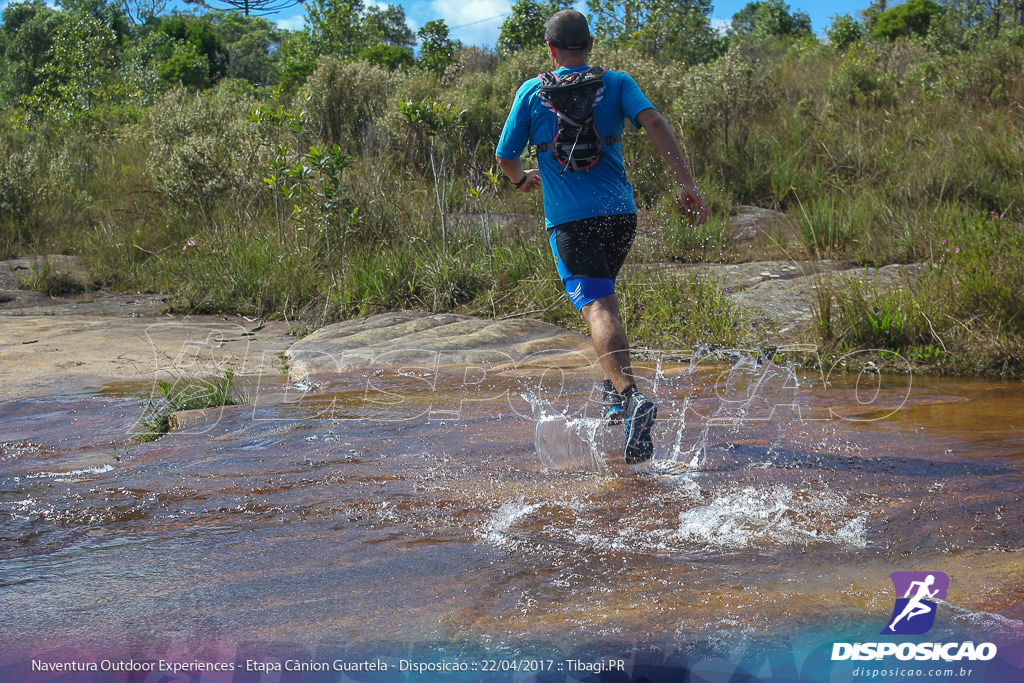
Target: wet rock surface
(345,516)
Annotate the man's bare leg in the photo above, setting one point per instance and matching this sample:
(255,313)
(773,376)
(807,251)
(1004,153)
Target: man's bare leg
(609,338)
(606,331)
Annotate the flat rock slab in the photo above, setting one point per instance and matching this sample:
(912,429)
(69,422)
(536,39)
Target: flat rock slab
(427,340)
(39,353)
(783,294)
(789,304)
(734,277)
(750,221)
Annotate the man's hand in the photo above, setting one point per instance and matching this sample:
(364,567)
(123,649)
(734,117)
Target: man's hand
(532,181)
(513,168)
(693,204)
(664,140)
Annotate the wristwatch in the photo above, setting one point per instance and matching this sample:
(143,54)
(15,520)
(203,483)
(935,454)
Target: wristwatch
(520,183)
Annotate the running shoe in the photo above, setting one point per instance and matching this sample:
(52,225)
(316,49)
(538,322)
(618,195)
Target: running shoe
(640,415)
(612,409)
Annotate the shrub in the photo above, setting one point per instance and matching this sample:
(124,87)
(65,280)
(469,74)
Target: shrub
(185,66)
(391,57)
(862,80)
(346,100)
(203,148)
(20,186)
(184,395)
(660,82)
(44,277)
(719,101)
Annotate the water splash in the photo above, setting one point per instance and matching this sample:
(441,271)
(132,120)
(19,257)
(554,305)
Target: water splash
(59,476)
(748,400)
(564,442)
(776,515)
(723,397)
(497,527)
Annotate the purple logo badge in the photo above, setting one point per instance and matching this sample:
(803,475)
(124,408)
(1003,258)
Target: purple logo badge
(916,594)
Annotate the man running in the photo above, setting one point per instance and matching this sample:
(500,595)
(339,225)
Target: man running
(590,213)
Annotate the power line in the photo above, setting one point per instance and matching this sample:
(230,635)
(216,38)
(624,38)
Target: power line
(480,21)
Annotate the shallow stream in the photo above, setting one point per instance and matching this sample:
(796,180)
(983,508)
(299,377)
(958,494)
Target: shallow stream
(386,511)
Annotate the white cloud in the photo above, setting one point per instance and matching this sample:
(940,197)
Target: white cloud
(474,23)
(292,23)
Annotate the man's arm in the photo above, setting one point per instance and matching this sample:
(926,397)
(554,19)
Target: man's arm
(665,142)
(513,168)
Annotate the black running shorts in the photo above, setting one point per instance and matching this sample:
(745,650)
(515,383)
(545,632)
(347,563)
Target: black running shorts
(590,252)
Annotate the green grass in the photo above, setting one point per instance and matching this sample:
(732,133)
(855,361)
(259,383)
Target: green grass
(44,277)
(876,156)
(677,310)
(964,314)
(188,395)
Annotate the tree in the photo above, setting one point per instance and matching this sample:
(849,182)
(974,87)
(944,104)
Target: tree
(523,28)
(110,14)
(844,31)
(335,26)
(763,18)
(912,18)
(989,17)
(79,72)
(437,48)
(143,11)
(253,45)
(259,8)
(387,26)
(614,22)
(675,32)
(296,59)
(662,29)
(870,14)
(204,41)
(28,29)
(183,63)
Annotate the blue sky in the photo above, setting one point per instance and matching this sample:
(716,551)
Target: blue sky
(479,22)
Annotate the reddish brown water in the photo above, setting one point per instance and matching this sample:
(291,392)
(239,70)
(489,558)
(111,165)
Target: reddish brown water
(414,509)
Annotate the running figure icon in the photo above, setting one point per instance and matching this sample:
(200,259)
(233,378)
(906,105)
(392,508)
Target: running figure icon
(914,612)
(915,607)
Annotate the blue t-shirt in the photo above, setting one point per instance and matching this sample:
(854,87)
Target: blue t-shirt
(601,190)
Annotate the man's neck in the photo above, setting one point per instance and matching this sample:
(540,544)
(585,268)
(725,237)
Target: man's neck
(569,62)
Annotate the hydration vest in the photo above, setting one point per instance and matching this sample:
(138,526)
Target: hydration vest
(577,144)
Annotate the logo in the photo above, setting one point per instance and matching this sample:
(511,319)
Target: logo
(914,612)
(576,293)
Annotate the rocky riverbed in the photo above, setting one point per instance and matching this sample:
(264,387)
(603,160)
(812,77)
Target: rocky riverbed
(47,340)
